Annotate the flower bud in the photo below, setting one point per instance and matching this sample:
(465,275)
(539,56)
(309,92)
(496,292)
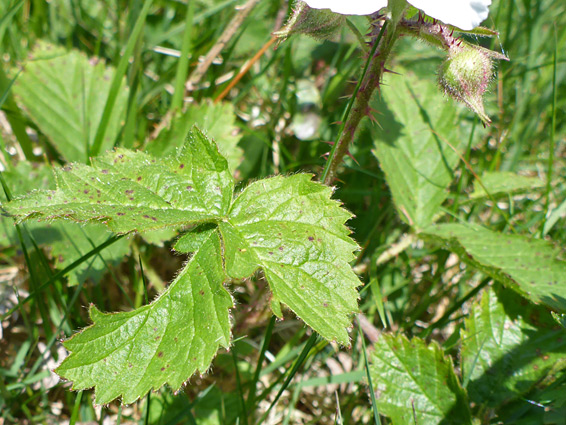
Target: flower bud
(320,24)
(466,75)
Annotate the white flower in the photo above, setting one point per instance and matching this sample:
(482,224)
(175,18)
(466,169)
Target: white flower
(464,14)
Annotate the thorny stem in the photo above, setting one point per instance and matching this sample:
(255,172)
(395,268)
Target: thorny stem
(359,105)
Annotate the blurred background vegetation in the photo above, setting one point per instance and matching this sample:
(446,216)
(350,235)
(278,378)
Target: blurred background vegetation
(274,120)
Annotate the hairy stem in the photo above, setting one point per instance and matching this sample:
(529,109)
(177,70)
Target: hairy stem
(359,105)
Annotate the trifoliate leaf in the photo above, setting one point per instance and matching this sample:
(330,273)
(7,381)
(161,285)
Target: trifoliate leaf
(415,146)
(415,383)
(128,354)
(291,229)
(508,347)
(134,191)
(218,122)
(287,226)
(528,265)
(65,94)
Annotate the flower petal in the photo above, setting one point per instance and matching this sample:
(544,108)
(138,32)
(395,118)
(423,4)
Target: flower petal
(464,14)
(348,7)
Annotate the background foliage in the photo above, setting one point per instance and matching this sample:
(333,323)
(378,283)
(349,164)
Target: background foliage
(461,227)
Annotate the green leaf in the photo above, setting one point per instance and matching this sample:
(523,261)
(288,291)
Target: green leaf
(128,354)
(414,148)
(219,121)
(64,93)
(528,265)
(503,182)
(291,229)
(67,241)
(134,191)
(21,179)
(416,383)
(287,226)
(508,347)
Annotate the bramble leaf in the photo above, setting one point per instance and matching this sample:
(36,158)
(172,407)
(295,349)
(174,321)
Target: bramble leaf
(528,265)
(287,226)
(132,191)
(128,354)
(291,229)
(66,241)
(508,346)
(416,383)
(414,147)
(65,94)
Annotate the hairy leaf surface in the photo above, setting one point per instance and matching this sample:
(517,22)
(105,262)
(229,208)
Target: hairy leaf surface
(66,241)
(127,354)
(416,383)
(414,148)
(65,94)
(291,229)
(287,226)
(530,266)
(508,346)
(134,191)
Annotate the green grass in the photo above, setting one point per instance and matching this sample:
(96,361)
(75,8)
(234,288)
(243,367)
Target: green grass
(277,371)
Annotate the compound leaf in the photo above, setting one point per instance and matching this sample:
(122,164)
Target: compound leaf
(508,347)
(65,94)
(128,354)
(416,383)
(134,191)
(415,147)
(291,229)
(528,265)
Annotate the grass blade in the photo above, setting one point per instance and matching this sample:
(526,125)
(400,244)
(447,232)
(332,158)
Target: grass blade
(117,80)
